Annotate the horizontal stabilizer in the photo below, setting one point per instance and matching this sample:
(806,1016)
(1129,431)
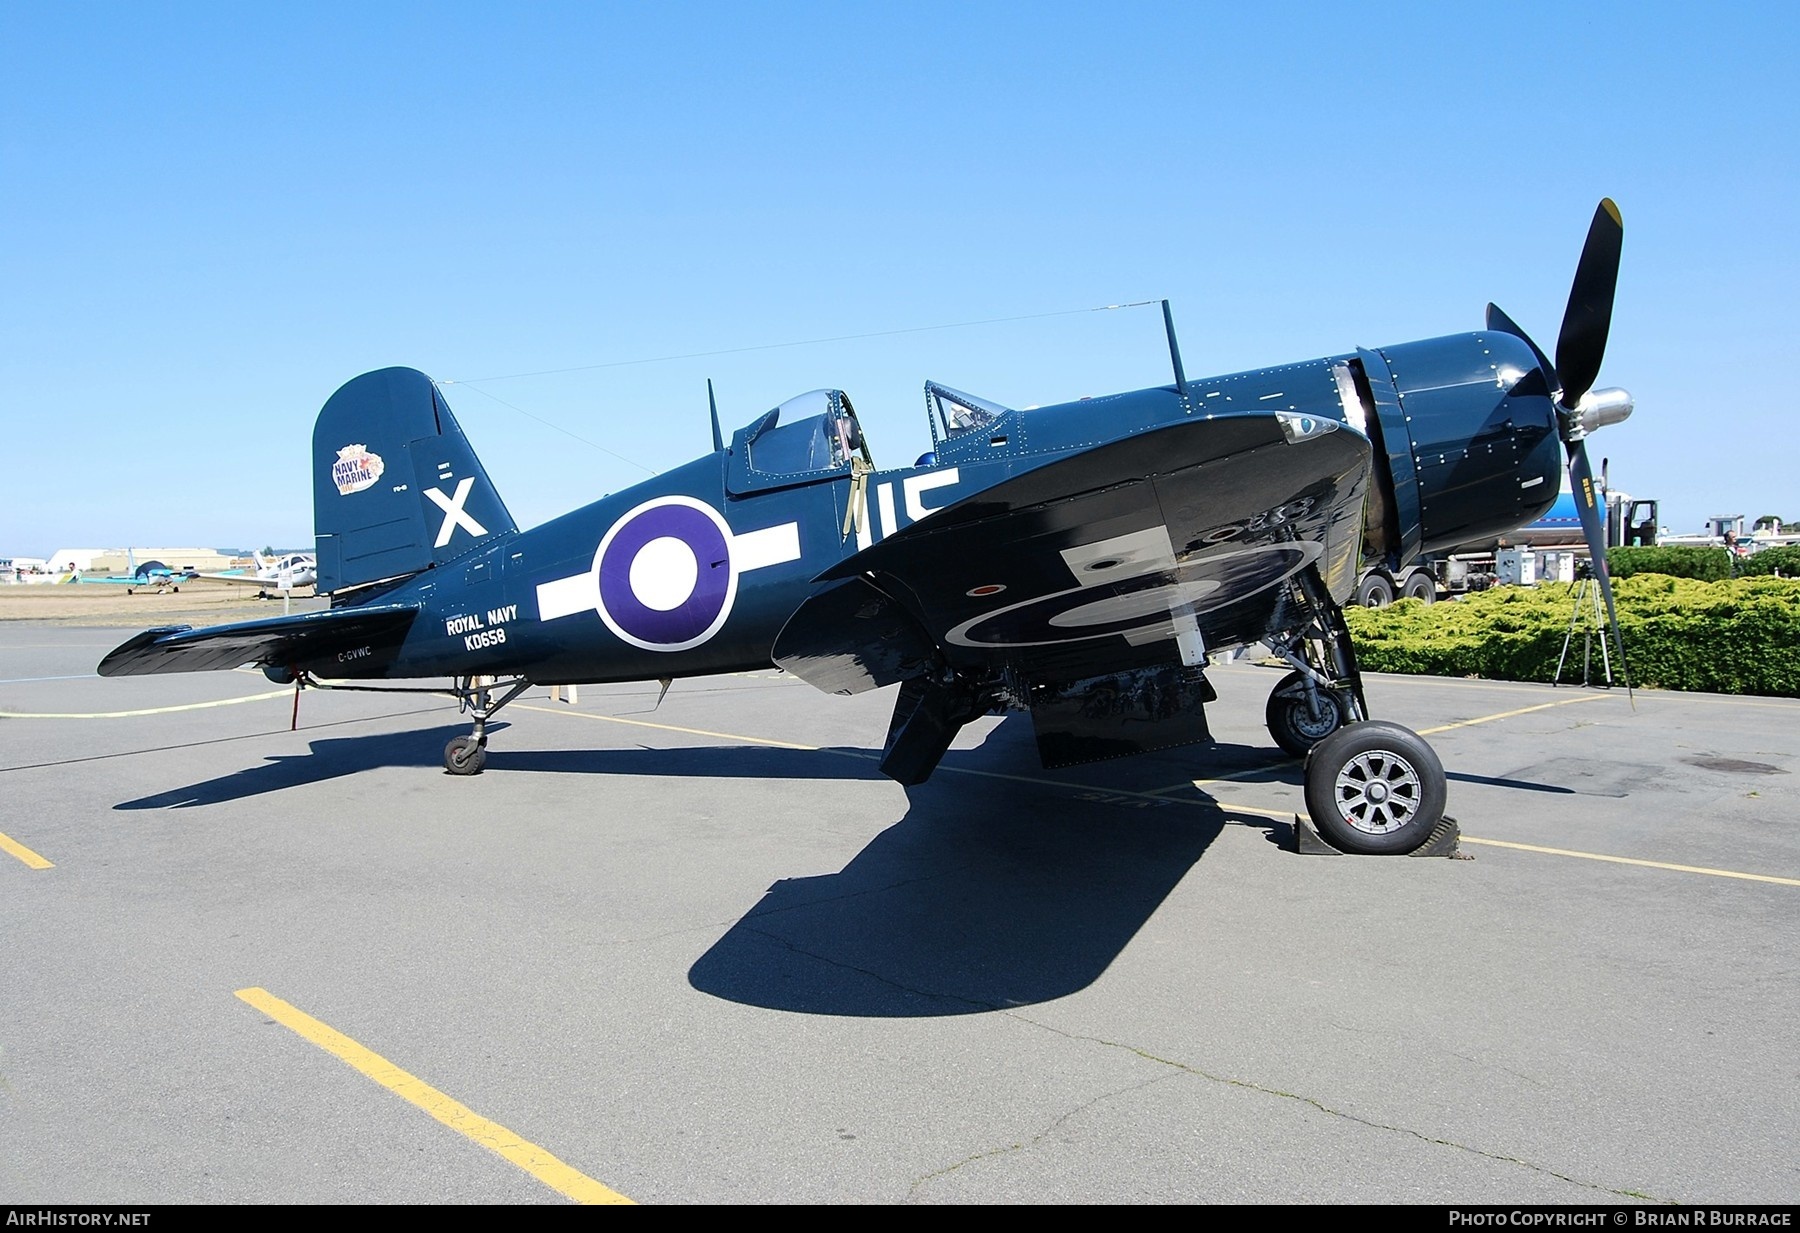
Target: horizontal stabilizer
(336,642)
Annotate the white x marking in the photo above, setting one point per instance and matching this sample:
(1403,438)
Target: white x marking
(454,514)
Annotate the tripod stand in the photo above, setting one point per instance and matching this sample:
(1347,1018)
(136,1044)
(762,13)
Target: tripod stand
(1587,605)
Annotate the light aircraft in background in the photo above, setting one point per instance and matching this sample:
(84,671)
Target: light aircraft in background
(285,572)
(151,576)
(1078,562)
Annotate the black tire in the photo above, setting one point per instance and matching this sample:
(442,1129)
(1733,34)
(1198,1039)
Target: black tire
(464,755)
(1375,788)
(1375,591)
(1419,586)
(1290,718)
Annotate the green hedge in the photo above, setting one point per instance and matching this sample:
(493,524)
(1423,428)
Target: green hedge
(1706,564)
(1738,636)
(1784,560)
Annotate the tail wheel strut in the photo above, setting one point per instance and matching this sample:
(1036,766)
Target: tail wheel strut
(467,755)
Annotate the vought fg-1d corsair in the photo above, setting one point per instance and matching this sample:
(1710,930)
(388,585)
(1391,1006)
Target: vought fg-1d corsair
(1078,562)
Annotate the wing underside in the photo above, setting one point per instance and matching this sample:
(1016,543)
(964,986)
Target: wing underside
(340,641)
(1101,580)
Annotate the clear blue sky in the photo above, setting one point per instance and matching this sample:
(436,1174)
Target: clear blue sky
(213,215)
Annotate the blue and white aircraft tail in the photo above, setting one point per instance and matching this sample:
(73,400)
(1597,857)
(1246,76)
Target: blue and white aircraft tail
(396,488)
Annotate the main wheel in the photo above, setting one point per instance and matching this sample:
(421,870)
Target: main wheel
(1375,591)
(1375,788)
(465,755)
(1419,585)
(1291,720)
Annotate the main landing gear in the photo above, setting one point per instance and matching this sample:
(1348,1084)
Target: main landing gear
(1375,788)
(1372,787)
(1324,691)
(466,755)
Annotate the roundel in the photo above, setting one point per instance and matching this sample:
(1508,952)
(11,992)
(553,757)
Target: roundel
(1140,601)
(665,574)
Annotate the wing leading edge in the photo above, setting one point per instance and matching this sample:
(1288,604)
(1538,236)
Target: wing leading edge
(1093,585)
(347,641)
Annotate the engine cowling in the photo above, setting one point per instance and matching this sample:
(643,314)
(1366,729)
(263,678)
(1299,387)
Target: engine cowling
(1469,435)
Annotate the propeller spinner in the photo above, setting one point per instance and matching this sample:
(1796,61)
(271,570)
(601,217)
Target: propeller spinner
(1580,346)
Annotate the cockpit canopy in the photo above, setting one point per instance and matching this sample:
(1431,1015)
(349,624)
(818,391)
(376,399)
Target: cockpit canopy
(815,436)
(809,437)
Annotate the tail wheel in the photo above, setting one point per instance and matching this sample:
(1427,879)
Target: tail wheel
(1375,788)
(1419,586)
(465,755)
(1291,720)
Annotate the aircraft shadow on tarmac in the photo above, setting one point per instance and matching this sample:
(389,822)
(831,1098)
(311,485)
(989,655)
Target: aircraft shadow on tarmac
(1002,885)
(337,757)
(331,758)
(988,893)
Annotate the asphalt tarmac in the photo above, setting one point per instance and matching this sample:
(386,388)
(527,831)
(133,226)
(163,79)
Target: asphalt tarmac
(705,953)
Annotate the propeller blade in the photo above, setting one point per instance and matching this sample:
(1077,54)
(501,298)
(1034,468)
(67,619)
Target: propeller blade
(1582,343)
(1498,320)
(1593,526)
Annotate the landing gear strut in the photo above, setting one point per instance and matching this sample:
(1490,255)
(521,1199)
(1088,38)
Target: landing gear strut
(1324,691)
(466,755)
(1372,786)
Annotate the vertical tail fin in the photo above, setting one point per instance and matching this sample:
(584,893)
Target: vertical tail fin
(396,488)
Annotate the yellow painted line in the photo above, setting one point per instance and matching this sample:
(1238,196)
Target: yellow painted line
(1524,710)
(154,710)
(1756,700)
(644,723)
(1293,762)
(1644,692)
(1085,787)
(1628,860)
(952,770)
(1231,778)
(560,1177)
(13,847)
(1465,682)
(1465,723)
(1285,815)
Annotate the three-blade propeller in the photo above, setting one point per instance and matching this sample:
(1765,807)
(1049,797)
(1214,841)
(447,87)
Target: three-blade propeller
(1580,346)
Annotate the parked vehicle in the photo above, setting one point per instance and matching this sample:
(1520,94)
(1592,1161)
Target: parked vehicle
(1630,522)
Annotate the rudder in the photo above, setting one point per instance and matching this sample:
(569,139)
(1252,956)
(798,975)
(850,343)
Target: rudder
(396,488)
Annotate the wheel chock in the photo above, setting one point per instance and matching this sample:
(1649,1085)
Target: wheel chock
(1308,841)
(1445,840)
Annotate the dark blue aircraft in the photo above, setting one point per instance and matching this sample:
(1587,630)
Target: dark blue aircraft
(1078,561)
